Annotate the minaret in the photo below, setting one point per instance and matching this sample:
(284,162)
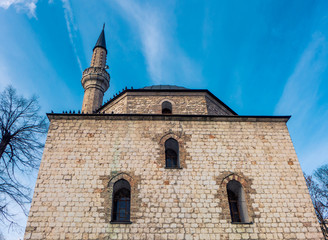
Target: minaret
(95,79)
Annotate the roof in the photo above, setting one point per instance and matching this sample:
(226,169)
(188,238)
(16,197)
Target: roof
(101,42)
(163,87)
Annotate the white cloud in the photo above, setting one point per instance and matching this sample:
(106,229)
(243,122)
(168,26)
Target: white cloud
(301,98)
(166,62)
(300,92)
(26,6)
(71,28)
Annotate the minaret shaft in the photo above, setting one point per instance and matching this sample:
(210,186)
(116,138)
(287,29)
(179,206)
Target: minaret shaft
(95,79)
(99,57)
(92,100)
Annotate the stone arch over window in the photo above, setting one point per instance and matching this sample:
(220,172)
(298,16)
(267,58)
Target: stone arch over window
(121,201)
(166,107)
(114,186)
(237,202)
(234,192)
(182,155)
(171,153)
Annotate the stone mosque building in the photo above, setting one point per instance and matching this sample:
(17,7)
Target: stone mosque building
(167,162)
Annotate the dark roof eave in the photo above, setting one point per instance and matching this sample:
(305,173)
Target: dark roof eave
(155,117)
(165,90)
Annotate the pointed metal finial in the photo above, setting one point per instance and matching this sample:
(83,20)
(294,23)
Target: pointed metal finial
(101,40)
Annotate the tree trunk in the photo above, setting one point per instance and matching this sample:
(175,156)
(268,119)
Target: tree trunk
(4,142)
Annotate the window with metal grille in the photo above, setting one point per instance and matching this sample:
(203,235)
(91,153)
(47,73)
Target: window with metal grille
(172,153)
(121,201)
(166,108)
(233,204)
(237,202)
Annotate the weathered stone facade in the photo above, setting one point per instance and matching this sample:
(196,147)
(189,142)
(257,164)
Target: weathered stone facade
(85,154)
(187,101)
(127,141)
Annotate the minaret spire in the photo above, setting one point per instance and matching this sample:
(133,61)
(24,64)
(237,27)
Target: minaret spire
(101,42)
(95,79)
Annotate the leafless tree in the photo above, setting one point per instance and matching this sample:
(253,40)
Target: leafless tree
(21,128)
(318,188)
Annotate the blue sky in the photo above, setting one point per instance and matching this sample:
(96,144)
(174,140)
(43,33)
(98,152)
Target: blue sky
(259,57)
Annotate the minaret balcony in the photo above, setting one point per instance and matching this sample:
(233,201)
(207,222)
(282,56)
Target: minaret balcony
(96,71)
(96,77)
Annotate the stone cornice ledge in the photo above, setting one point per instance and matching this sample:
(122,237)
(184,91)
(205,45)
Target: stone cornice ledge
(160,117)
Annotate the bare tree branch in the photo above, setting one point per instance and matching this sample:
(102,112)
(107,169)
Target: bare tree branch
(21,128)
(318,188)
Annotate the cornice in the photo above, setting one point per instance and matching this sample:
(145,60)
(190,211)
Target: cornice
(160,117)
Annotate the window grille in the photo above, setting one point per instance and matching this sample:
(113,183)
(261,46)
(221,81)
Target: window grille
(172,153)
(121,201)
(237,202)
(233,204)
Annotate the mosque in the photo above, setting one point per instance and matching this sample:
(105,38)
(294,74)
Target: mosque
(167,162)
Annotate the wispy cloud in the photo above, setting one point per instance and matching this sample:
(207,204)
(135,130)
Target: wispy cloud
(26,6)
(71,28)
(301,98)
(166,62)
(300,92)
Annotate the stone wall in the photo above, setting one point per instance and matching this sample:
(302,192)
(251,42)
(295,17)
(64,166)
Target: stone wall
(151,103)
(85,155)
(118,105)
(214,108)
(180,104)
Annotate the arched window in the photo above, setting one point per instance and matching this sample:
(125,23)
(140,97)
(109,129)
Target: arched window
(121,201)
(171,153)
(237,202)
(166,108)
